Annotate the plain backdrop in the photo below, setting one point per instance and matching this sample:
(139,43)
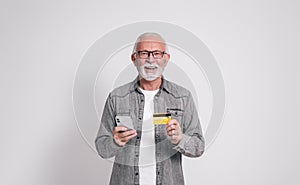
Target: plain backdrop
(256,44)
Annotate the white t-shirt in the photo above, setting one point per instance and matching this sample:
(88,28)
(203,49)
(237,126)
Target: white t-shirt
(147,161)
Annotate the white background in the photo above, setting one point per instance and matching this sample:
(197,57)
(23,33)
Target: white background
(256,44)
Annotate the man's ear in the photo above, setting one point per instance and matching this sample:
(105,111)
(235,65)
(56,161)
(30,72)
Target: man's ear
(133,58)
(167,58)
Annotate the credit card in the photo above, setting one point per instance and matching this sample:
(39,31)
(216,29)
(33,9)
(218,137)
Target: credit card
(161,118)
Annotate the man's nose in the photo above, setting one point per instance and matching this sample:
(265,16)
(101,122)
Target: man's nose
(150,59)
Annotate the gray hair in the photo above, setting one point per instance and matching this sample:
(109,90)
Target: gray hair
(150,34)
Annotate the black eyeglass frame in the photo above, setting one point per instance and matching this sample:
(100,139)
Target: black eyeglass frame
(151,52)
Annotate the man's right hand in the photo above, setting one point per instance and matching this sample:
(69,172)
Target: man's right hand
(122,135)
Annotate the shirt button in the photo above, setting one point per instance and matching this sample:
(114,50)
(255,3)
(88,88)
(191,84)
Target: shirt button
(137,137)
(140,118)
(136,173)
(136,155)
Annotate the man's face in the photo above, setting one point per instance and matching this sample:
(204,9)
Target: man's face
(150,65)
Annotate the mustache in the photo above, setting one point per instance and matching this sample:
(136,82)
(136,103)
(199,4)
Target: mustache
(150,65)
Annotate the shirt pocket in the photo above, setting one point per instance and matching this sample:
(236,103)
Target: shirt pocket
(176,113)
(123,113)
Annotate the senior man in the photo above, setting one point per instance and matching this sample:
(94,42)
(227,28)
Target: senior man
(147,148)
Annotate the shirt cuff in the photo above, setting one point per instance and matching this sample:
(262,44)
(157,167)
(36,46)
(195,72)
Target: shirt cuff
(115,146)
(182,143)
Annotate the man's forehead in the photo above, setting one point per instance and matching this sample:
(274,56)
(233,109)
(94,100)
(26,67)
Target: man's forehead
(150,44)
(151,41)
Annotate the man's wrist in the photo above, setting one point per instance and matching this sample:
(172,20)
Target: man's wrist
(180,145)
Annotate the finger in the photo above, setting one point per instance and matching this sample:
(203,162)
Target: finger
(174,125)
(172,122)
(170,133)
(127,133)
(174,132)
(127,138)
(170,128)
(120,128)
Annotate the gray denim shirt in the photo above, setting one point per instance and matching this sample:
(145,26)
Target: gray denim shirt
(128,100)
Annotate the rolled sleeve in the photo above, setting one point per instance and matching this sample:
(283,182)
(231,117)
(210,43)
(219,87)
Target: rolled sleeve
(105,144)
(192,143)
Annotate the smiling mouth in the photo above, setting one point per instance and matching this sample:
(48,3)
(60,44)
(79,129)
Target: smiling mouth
(150,70)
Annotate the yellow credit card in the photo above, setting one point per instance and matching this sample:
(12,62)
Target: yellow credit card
(161,118)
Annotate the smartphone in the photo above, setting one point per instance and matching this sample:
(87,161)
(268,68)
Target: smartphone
(125,121)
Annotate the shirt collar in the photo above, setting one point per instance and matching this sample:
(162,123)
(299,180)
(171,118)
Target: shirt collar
(165,85)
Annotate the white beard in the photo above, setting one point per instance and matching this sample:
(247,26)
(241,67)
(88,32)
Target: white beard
(149,75)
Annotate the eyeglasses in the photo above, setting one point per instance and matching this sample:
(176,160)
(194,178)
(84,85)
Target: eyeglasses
(146,54)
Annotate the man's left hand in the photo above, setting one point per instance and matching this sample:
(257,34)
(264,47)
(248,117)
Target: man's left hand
(174,131)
